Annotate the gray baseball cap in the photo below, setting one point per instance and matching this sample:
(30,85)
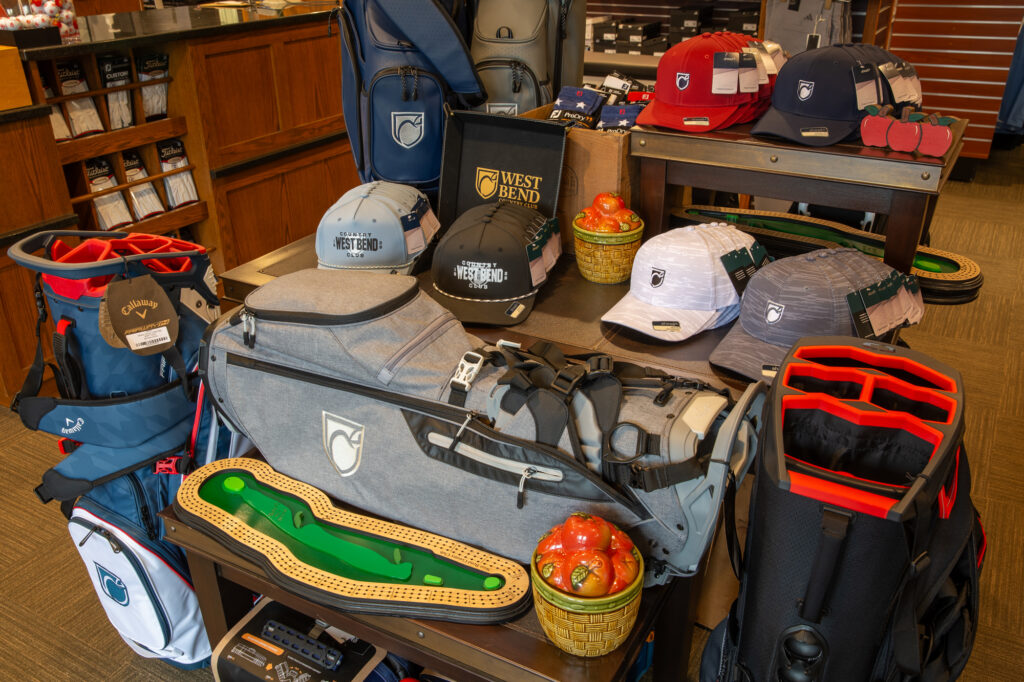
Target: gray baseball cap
(381,226)
(679,286)
(804,295)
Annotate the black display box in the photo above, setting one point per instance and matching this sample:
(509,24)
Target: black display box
(490,158)
(654,46)
(744,22)
(678,35)
(26,38)
(606,32)
(638,32)
(689,17)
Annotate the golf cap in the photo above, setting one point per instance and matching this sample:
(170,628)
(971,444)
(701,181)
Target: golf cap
(683,97)
(679,284)
(376,226)
(790,298)
(815,99)
(486,269)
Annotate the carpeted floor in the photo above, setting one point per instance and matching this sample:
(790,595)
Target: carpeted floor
(53,628)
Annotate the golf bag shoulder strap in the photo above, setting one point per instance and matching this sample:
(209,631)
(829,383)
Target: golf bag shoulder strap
(435,35)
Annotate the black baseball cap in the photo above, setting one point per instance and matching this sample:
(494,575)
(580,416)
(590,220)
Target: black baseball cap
(815,99)
(482,267)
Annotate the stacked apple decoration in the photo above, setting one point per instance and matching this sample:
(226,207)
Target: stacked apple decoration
(586,557)
(608,213)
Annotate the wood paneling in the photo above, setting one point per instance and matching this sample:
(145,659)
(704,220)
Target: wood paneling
(33,183)
(87,8)
(962,52)
(18,320)
(317,95)
(271,205)
(267,90)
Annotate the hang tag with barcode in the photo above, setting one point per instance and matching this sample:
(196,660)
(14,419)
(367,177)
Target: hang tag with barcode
(139,315)
(739,265)
(538,274)
(759,254)
(748,78)
(762,70)
(725,73)
(859,311)
(865,80)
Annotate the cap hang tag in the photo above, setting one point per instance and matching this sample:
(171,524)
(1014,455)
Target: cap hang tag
(140,315)
(769,371)
(813,41)
(748,77)
(740,267)
(759,63)
(725,73)
(760,255)
(859,311)
(865,80)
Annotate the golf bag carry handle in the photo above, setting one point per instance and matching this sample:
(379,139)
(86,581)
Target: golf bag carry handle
(22,254)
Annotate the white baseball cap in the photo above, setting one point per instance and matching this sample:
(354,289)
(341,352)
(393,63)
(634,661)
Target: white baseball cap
(379,225)
(679,285)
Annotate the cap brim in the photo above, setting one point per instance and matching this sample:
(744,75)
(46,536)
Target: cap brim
(741,353)
(790,127)
(635,314)
(658,113)
(385,269)
(503,313)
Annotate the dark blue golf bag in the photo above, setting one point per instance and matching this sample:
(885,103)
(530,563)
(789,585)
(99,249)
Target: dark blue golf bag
(404,62)
(130,426)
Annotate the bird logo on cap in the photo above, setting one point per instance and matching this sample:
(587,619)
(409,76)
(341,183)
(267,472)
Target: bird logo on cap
(804,90)
(773,313)
(682,80)
(657,277)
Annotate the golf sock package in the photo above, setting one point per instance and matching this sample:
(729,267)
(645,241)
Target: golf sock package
(60,126)
(116,70)
(111,209)
(181,189)
(145,200)
(85,120)
(154,97)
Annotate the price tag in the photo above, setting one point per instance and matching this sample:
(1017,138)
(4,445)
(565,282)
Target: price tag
(762,70)
(865,80)
(739,265)
(725,73)
(537,272)
(748,76)
(766,59)
(859,311)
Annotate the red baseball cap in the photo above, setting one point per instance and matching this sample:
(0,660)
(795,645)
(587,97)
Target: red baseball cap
(682,94)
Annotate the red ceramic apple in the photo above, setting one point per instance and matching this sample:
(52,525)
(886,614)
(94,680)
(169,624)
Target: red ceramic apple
(904,134)
(875,126)
(936,138)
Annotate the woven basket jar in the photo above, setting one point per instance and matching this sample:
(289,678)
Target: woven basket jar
(606,257)
(587,626)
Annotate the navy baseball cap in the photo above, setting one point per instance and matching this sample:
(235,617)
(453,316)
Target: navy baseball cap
(815,99)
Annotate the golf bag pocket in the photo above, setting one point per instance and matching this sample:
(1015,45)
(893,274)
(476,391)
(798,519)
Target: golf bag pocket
(143,589)
(405,107)
(510,49)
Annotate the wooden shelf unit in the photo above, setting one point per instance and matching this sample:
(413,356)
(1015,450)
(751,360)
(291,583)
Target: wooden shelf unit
(111,144)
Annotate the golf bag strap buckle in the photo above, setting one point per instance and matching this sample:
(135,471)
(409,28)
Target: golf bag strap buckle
(174,465)
(567,379)
(465,373)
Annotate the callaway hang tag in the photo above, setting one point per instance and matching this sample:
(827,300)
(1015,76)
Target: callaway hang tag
(865,81)
(725,73)
(740,267)
(141,315)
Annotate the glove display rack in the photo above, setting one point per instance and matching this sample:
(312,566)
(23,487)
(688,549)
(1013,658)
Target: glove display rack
(141,137)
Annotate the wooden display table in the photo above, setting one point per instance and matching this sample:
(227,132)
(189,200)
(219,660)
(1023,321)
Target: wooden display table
(517,650)
(852,176)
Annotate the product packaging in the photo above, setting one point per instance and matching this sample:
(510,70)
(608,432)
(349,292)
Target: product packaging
(111,209)
(145,200)
(85,120)
(116,70)
(150,67)
(180,187)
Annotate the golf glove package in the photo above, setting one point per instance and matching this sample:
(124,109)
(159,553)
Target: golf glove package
(111,209)
(85,120)
(145,200)
(154,97)
(180,187)
(116,70)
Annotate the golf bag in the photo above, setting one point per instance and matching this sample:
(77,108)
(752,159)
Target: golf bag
(404,63)
(523,51)
(864,549)
(129,425)
(385,402)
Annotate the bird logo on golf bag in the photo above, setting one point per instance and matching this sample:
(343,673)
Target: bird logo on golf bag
(112,586)
(407,128)
(343,443)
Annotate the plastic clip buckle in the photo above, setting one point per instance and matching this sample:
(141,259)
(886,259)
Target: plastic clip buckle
(469,367)
(168,465)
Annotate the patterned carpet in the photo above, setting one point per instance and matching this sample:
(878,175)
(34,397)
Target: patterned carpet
(53,627)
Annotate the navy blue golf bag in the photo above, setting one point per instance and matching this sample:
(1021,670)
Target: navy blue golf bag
(404,63)
(130,426)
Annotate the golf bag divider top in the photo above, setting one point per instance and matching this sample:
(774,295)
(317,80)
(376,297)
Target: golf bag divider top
(364,386)
(864,548)
(128,429)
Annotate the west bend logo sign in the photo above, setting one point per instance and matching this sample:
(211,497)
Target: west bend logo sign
(515,188)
